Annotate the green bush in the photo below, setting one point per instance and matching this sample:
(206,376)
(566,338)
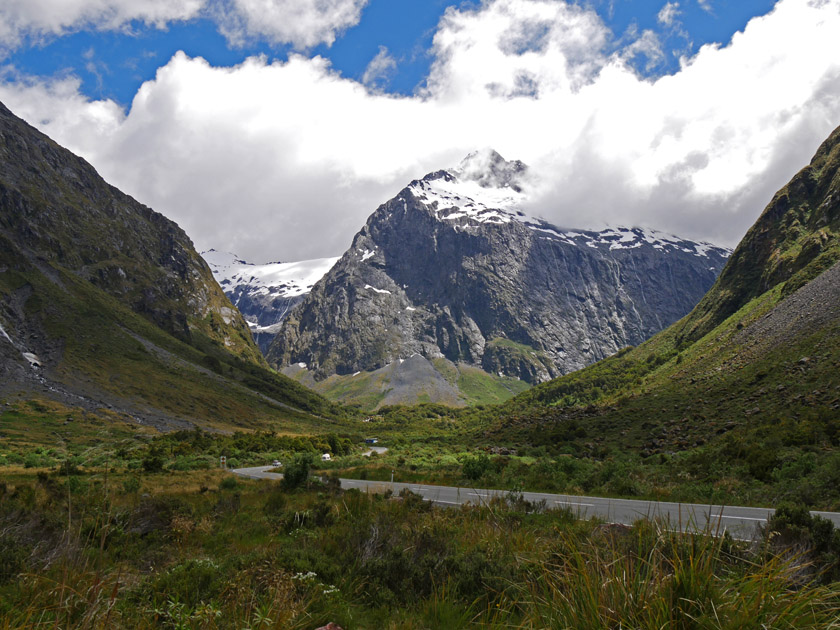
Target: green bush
(794,528)
(191,582)
(275,504)
(228,483)
(131,485)
(296,472)
(474,468)
(153,462)
(13,558)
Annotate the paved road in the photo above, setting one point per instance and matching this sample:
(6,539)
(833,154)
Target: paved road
(741,522)
(379,450)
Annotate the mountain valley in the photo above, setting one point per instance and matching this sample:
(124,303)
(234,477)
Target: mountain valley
(128,378)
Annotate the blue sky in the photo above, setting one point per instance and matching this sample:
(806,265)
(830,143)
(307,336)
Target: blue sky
(273,129)
(112,63)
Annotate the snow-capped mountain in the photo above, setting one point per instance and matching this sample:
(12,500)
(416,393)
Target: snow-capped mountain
(264,294)
(451,269)
(485,188)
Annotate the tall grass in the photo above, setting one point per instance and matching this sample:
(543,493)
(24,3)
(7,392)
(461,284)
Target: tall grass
(651,577)
(255,556)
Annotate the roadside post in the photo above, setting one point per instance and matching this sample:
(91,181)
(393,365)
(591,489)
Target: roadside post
(223,462)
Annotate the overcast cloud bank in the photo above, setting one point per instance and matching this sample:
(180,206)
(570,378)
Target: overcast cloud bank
(287,160)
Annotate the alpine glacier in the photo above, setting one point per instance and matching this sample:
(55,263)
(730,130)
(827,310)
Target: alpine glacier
(265,294)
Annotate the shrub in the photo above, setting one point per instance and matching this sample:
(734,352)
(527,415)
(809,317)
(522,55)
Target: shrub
(68,467)
(761,461)
(793,528)
(13,558)
(228,483)
(153,462)
(475,467)
(275,505)
(296,472)
(190,582)
(131,485)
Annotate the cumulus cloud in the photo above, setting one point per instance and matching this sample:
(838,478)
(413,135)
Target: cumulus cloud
(285,160)
(38,19)
(553,46)
(647,45)
(302,23)
(380,68)
(669,13)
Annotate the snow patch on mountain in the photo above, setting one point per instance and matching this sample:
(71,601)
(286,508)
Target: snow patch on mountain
(3,332)
(265,294)
(367,286)
(276,279)
(487,189)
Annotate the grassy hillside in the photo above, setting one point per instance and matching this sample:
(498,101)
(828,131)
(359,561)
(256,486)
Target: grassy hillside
(796,238)
(95,347)
(414,381)
(56,209)
(741,398)
(116,311)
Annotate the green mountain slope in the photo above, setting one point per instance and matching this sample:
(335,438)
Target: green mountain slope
(741,398)
(56,209)
(105,305)
(796,238)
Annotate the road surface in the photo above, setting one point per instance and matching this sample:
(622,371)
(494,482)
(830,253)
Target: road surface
(740,522)
(379,450)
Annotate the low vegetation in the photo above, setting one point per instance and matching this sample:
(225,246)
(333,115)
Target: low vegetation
(110,548)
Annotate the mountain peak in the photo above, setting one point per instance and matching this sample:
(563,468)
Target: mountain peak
(490,170)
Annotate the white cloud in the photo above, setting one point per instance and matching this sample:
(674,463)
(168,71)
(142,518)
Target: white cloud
(380,67)
(646,44)
(38,19)
(507,44)
(669,13)
(706,5)
(286,160)
(302,23)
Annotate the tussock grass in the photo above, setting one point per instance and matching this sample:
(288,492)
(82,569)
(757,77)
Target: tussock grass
(651,577)
(193,550)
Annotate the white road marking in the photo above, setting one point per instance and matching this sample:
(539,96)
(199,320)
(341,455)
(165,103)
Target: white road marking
(604,507)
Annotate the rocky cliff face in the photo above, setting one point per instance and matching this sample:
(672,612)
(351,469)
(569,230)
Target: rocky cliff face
(265,294)
(55,210)
(450,268)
